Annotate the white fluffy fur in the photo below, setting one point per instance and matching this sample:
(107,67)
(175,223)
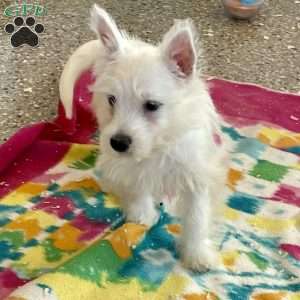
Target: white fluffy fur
(173,151)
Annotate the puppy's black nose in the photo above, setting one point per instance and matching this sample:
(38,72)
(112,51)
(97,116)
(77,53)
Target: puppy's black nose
(120,142)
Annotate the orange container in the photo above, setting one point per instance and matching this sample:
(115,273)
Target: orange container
(242,9)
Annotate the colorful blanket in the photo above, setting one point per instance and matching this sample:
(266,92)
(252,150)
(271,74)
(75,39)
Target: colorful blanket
(62,238)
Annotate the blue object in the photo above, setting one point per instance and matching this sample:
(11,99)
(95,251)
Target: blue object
(248,2)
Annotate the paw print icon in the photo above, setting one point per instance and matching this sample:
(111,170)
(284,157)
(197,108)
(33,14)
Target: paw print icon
(24,31)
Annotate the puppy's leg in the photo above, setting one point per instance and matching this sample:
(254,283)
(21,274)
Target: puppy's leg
(198,252)
(140,208)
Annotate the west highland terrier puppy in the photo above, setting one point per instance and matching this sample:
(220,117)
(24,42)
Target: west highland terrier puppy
(158,128)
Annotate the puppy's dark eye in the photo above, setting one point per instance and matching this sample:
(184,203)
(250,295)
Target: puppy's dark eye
(152,105)
(111,100)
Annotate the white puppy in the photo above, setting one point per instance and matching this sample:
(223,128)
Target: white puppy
(158,127)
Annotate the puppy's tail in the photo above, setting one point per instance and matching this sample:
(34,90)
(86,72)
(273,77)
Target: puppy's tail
(81,60)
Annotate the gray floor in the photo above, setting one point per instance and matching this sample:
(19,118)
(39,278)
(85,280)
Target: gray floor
(265,51)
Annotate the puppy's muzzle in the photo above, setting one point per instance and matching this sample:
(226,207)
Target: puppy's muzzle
(120,142)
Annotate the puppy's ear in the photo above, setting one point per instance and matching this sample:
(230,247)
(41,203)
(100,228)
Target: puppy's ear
(179,48)
(107,30)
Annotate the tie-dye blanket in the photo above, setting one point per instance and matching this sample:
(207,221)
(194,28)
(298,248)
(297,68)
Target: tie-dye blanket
(61,238)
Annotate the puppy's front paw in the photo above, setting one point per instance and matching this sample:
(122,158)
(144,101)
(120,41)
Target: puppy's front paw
(142,215)
(200,257)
